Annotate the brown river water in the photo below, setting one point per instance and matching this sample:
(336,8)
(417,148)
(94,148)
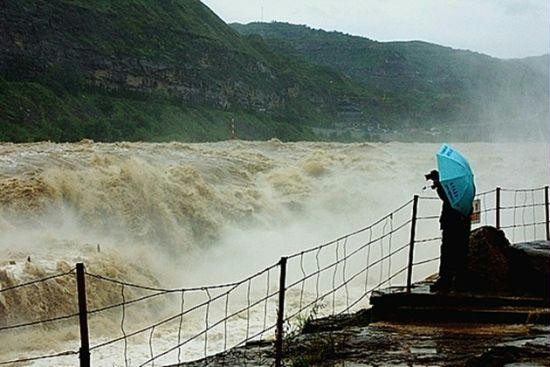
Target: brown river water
(183,215)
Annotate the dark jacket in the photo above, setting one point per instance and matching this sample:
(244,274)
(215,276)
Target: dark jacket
(450,218)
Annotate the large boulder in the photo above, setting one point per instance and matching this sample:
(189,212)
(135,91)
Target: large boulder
(496,266)
(488,265)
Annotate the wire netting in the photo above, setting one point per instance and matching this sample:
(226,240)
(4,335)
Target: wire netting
(151,325)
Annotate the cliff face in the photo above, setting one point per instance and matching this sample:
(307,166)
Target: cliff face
(93,67)
(137,46)
(418,82)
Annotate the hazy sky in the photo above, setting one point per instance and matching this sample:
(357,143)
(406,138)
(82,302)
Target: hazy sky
(501,28)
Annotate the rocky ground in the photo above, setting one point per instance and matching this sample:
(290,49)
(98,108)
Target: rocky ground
(392,344)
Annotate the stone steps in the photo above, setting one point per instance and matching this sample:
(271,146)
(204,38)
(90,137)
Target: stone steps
(395,304)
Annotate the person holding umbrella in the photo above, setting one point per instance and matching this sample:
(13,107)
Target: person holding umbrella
(454,184)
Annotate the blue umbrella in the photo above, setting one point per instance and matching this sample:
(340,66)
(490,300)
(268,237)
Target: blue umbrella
(457,178)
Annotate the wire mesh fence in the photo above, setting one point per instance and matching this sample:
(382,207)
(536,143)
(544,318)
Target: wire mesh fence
(524,214)
(47,315)
(199,325)
(147,325)
(337,277)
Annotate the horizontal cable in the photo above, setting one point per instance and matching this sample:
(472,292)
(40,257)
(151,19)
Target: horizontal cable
(101,309)
(171,318)
(437,197)
(351,234)
(487,210)
(426,261)
(349,255)
(30,359)
(523,225)
(486,192)
(235,314)
(177,290)
(346,282)
(521,206)
(523,190)
(209,327)
(427,240)
(337,288)
(101,345)
(59,318)
(272,295)
(428,217)
(158,289)
(429,198)
(37,281)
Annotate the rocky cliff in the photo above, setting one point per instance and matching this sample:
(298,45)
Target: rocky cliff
(172,70)
(173,51)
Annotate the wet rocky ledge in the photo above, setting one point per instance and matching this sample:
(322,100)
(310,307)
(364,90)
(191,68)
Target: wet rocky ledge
(335,341)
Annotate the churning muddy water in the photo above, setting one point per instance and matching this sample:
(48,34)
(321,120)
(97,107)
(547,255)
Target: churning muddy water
(176,215)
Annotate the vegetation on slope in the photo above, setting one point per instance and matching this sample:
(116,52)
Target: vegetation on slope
(33,112)
(417,82)
(172,70)
(150,70)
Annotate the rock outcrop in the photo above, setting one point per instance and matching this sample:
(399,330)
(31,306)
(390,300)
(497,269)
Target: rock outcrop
(177,50)
(494,265)
(182,61)
(530,268)
(151,70)
(488,265)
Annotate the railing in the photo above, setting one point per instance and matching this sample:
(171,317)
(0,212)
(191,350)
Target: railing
(333,278)
(11,291)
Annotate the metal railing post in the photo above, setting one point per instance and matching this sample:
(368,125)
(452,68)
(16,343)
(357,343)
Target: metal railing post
(280,314)
(546,210)
(497,208)
(84,352)
(411,244)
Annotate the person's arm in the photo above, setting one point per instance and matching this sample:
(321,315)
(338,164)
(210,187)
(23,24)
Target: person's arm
(440,191)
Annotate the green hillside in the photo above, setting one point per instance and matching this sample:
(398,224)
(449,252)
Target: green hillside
(150,70)
(418,83)
(172,70)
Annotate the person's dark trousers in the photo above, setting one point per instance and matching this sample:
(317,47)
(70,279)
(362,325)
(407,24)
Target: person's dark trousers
(454,253)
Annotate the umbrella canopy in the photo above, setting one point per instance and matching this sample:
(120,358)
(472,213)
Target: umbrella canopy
(457,178)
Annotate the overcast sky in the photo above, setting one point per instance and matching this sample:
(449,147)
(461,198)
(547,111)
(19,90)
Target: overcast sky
(501,28)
